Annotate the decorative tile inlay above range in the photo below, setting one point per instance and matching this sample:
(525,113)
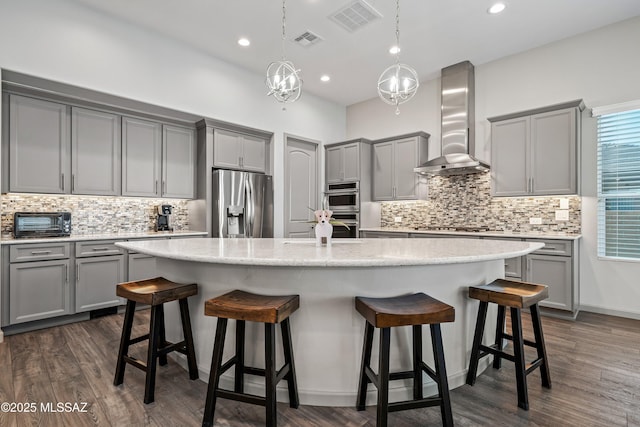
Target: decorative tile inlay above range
(465,201)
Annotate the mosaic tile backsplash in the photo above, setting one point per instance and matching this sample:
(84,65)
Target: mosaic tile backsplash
(91,215)
(465,201)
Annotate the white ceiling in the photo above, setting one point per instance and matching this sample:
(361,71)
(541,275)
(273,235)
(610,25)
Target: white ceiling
(434,34)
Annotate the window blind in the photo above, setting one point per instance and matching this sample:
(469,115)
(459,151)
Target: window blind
(619,185)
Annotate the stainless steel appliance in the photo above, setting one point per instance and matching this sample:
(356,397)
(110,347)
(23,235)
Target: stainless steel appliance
(457,125)
(242,204)
(351,219)
(163,220)
(344,196)
(41,224)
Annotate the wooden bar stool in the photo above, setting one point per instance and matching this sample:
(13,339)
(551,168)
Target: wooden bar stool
(515,295)
(408,310)
(270,310)
(155,292)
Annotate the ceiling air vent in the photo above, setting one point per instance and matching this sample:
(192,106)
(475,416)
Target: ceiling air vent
(355,15)
(307,39)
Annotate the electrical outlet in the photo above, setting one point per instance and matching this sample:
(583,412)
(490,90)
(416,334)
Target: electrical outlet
(562,215)
(536,221)
(397,219)
(564,203)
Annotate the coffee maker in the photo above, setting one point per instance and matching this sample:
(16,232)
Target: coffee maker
(163,221)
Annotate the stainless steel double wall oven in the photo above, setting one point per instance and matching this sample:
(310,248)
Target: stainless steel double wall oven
(344,200)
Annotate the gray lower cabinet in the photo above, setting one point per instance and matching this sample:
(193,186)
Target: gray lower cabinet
(100,265)
(141,267)
(36,282)
(95,155)
(39,290)
(38,141)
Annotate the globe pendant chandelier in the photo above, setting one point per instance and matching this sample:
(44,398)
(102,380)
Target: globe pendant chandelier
(398,83)
(283,80)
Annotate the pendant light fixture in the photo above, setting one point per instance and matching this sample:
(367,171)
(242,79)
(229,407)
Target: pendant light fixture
(283,80)
(398,83)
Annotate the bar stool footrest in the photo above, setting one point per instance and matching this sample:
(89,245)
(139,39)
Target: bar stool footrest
(169,347)
(241,397)
(139,339)
(136,363)
(486,350)
(533,366)
(415,404)
(524,341)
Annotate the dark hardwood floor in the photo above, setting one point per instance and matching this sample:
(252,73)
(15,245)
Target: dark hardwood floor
(595,372)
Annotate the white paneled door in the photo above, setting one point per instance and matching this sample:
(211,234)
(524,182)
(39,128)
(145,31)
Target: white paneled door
(301,186)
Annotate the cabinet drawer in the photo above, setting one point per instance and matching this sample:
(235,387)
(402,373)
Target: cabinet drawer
(38,252)
(97,248)
(553,247)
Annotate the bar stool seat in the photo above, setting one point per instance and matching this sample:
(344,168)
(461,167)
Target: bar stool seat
(516,295)
(244,306)
(155,292)
(407,310)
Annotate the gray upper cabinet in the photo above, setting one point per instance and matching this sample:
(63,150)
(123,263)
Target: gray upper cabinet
(95,158)
(235,150)
(157,160)
(141,157)
(178,162)
(535,153)
(393,163)
(344,160)
(39,146)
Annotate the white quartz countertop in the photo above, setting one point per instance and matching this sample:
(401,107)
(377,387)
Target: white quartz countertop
(10,240)
(500,234)
(342,253)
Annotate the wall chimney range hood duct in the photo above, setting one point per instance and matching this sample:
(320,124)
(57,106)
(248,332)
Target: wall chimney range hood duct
(457,125)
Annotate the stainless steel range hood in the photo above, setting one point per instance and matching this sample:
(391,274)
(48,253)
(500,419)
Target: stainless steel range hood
(457,125)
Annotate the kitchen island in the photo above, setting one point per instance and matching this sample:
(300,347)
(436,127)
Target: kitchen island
(327,331)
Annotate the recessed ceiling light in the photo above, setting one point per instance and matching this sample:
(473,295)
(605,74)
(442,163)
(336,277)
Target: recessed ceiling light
(496,8)
(394,50)
(325,78)
(244,42)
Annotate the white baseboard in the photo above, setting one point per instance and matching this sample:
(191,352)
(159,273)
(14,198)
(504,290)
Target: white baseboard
(610,312)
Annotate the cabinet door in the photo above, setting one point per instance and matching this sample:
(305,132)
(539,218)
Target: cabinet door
(178,162)
(335,164)
(39,144)
(405,159)
(141,267)
(351,162)
(141,157)
(39,290)
(555,272)
(227,149)
(553,153)
(383,185)
(254,154)
(96,280)
(95,159)
(509,155)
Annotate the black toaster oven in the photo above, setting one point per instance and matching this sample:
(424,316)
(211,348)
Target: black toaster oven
(41,224)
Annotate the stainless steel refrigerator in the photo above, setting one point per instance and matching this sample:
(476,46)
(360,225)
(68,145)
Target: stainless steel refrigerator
(242,204)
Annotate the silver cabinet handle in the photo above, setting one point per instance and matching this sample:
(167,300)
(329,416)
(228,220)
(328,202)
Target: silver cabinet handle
(77,272)
(73,182)
(100,249)
(164,187)
(66,273)
(156,187)
(40,252)
(62,175)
